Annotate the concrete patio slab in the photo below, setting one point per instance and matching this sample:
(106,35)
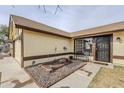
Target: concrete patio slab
(14,76)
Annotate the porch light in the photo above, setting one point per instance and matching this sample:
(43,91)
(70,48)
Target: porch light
(118,39)
(64,48)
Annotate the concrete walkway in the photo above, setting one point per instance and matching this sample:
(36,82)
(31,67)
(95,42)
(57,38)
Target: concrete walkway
(14,76)
(80,78)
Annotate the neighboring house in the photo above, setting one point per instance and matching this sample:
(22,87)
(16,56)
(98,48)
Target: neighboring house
(34,42)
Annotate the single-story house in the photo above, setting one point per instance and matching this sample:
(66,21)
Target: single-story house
(35,42)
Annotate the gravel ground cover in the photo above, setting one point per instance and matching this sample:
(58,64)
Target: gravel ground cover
(45,79)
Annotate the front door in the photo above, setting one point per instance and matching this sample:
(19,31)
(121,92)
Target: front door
(103,48)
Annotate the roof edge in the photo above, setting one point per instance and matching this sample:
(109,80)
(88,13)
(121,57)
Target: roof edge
(71,34)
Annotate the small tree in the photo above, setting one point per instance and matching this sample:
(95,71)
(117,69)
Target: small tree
(3,33)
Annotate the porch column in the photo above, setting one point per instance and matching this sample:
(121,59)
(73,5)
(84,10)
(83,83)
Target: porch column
(94,49)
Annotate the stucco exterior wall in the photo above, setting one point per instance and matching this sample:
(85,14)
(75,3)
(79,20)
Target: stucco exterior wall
(72,44)
(11,34)
(18,45)
(12,30)
(42,43)
(118,47)
(18,51)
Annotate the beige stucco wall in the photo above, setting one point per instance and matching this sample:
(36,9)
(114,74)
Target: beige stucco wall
(18,51)
(118,47)
(118,62)
(11,34)
(72,44)
(41,43)
(18,45)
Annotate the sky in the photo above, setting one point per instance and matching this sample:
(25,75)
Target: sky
(71,18)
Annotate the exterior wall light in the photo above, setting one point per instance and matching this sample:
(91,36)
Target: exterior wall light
(55,49)
(64,48)
(118,39)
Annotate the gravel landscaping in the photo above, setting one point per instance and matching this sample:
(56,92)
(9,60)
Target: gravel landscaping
(45,78)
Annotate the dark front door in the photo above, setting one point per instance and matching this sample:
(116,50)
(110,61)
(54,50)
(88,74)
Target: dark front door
(103,48)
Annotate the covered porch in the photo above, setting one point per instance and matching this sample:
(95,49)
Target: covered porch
(94,48)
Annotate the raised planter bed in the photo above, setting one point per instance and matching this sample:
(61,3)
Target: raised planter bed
(56,64)
(44,78)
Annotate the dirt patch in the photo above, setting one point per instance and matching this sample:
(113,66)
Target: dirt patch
(109,78)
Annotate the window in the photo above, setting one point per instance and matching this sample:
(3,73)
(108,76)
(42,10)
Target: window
(88,45)
(83,45)
(78,45)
